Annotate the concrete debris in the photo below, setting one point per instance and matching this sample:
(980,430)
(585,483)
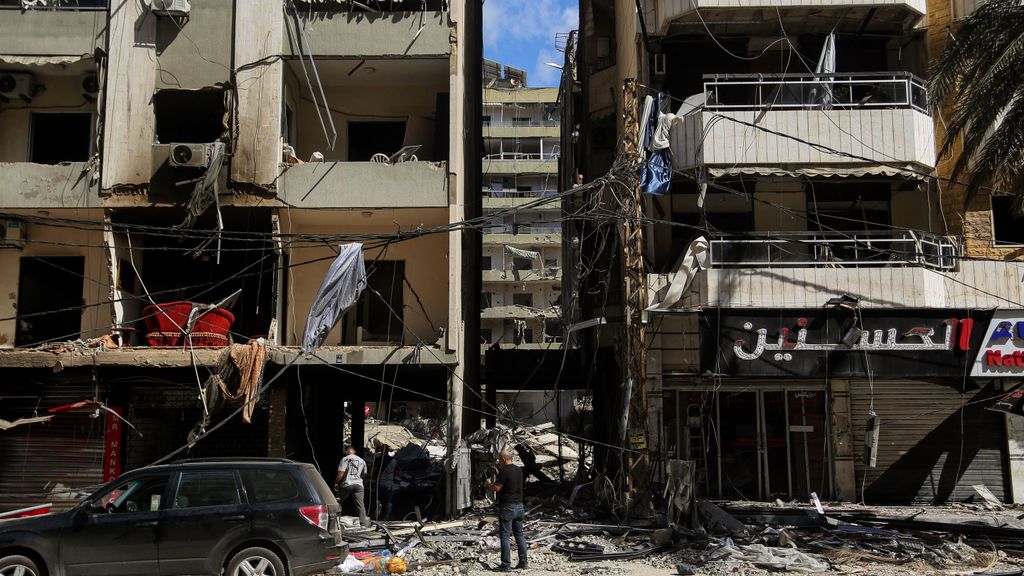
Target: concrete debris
(750,539)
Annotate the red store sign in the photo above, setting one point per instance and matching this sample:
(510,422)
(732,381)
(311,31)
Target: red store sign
(113,444)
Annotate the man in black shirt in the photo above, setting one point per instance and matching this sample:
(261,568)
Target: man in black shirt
(508,487)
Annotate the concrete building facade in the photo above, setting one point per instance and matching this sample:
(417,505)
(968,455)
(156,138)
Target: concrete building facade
(813,220)
(315,124)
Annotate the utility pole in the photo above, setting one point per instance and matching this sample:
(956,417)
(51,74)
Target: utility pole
(635,298)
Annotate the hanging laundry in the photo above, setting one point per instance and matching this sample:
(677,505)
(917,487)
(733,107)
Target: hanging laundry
(345,280)
(520,253)
(656,172)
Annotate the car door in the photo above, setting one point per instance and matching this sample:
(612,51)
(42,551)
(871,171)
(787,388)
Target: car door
(116,531)
(206,517)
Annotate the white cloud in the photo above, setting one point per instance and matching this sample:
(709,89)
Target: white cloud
(531,26)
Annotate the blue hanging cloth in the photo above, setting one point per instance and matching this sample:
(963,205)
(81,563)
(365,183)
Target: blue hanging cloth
(656,172)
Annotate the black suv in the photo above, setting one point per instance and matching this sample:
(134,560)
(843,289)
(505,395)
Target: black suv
(248,517)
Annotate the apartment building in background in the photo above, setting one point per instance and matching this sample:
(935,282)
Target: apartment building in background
(131,132)
(521,258)
(814,284)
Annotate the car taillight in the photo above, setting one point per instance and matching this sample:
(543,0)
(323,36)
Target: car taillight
(316,515)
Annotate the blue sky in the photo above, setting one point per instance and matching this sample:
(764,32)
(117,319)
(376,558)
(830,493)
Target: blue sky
(521,33)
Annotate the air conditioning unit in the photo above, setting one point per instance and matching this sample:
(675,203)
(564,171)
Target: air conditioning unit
(659,65)
(13,234)
(189,155)
(171,7)
(90,87)
(16,85)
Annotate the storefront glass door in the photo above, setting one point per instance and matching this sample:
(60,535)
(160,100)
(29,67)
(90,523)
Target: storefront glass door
(755,444)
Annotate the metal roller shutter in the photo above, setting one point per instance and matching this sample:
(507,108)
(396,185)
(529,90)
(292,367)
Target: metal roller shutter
(922,455)
(40,463)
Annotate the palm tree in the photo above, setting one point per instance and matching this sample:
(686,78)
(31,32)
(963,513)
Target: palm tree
(980,75)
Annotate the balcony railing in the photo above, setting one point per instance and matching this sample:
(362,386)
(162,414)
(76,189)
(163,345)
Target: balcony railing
(522,229)
(815,91)
(834,249)
(545,157)
(491,193)
(521,124)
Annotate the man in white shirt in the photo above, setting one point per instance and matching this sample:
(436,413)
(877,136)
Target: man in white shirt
(349,482)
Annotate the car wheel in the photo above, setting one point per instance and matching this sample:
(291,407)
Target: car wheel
(253,562)
(18,566)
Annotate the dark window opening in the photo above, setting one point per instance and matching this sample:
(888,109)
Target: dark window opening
(522,263)
(485,300)
(848,208)
(523,300)
(172,273)
(485,335)
(485,262)
(368,138)
(524,337)
(380,305)
(46,285)
(194,116)
(61,137)
(1007,227)
(552,330)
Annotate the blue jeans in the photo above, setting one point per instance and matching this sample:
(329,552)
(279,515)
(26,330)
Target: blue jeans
(511,517)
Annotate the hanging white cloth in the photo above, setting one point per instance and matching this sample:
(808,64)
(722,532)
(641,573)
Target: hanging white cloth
(345,280)
(826,67)
(692,261)
(520,253)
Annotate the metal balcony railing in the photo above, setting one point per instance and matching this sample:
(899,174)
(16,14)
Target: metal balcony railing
(522,229)
(492,193)
(853,90)
(520,124)
(545,157)
(834,249)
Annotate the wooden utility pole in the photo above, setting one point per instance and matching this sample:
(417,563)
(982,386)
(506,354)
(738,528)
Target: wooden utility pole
(635,297)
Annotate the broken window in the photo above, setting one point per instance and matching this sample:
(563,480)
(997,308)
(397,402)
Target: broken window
(524,337)
(61,137)
(191,116)
(49,299)
(368,138)
(848,207)
(552,330)
(1007,227)
(523,300)
(485,335)
(380,305)
(485,300)
(522,263)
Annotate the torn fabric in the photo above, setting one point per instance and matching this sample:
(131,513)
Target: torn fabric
(692,261)
(656,173)
(240,367)
(520,253)
(7,425)
(205,192)
(345,280)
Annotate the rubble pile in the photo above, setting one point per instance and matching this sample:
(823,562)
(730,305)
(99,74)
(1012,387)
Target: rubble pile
(535,448)
(726,539)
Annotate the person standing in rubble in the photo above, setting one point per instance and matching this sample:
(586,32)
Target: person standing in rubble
(508,488)
(349,482)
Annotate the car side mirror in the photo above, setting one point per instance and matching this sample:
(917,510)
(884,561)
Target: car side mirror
(93,507)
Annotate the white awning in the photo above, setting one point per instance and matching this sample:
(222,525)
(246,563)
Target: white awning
(31,60)
(820,171)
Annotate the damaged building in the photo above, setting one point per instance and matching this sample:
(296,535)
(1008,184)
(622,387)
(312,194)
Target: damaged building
(177,180)
(820,312)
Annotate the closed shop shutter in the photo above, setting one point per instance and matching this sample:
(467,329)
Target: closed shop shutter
(923,456)
(58,462)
